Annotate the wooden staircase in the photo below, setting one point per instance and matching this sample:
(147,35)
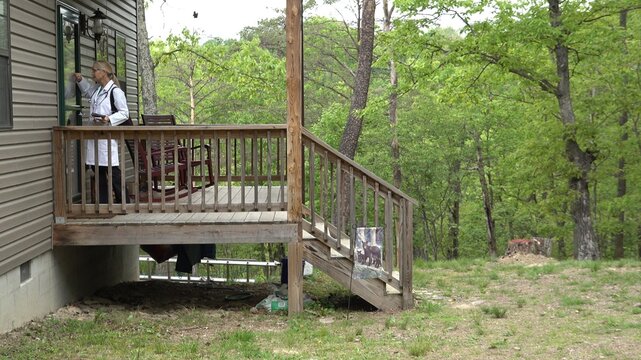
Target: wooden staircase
(339,265)
(341,196)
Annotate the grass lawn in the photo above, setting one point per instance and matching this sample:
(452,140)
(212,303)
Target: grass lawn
(464,310)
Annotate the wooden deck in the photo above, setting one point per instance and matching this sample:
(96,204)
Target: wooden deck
(248,198)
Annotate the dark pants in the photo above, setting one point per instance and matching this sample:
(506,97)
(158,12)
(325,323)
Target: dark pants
(103,184)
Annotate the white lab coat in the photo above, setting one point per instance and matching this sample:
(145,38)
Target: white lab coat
(99,103)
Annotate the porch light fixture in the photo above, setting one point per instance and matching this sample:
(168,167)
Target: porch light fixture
(68,33)
(97,28)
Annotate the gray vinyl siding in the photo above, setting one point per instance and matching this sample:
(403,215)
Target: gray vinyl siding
(26,196)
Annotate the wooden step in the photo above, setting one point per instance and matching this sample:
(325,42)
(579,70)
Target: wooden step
(375,291)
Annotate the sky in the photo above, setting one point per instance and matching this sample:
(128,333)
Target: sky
(216,18)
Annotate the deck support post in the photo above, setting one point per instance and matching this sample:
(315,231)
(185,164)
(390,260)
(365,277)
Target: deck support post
(59,184)
(294,41)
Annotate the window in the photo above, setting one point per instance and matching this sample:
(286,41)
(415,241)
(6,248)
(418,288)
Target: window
(25,272)
(5,84)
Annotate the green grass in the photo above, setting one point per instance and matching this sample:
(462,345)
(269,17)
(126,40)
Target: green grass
(420,347)
(488,310)
(496,312)
(573,301)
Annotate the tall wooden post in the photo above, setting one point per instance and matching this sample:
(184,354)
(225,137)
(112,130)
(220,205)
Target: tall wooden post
(294,56)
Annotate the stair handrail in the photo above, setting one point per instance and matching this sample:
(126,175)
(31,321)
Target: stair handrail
(396,191)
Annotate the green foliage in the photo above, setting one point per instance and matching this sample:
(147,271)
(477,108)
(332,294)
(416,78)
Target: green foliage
(492,81)
(218,82)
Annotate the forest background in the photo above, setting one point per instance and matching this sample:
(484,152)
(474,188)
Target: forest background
(523,123)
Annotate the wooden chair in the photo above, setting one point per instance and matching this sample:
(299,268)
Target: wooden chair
(150,161)
(159,120)
(197,161)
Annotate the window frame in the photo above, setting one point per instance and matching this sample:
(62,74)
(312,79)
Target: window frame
(5,56)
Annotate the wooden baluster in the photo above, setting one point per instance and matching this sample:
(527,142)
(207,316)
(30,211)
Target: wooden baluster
(63,172)
(150,184)
(269,170)
(338,210)
(187,143)
(255,168)
(95,175)
(136,161)
(389,241)
(110,198)
(228,156)
(283,161)
(312,189)
(83,174)
(352,212)
(123,169)
(204,156)
(162,171)
(407,253)
(177,182)
(376,209)
(326,193)
(364,200)
(332,194)
(243,167)
(216,168)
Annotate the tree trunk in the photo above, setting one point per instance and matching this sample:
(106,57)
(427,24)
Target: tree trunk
(145,64)
(192,100)
(584,235)
(352,131)
(426,229)
(393,101)
(619,237)
(487,199)
(349,140)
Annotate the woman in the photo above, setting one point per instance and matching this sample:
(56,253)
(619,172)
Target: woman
(104,112)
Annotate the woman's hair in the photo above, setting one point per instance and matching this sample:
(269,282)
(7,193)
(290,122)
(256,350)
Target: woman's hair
(103,65)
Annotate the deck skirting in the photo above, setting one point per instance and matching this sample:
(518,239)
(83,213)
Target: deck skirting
(147,234)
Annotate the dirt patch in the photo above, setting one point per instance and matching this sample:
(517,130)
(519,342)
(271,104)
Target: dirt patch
(162,296)
(528,259)
(166,295)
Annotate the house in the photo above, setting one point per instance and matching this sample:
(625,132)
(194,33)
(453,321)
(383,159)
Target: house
(58,244)
(41,43)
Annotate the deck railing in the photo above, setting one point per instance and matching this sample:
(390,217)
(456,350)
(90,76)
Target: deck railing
(248,169)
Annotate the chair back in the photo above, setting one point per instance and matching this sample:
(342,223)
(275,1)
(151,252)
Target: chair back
(159,120)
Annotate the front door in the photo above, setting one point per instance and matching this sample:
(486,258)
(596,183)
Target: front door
(69,99)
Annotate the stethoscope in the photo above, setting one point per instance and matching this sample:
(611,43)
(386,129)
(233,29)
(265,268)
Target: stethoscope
(100,96)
